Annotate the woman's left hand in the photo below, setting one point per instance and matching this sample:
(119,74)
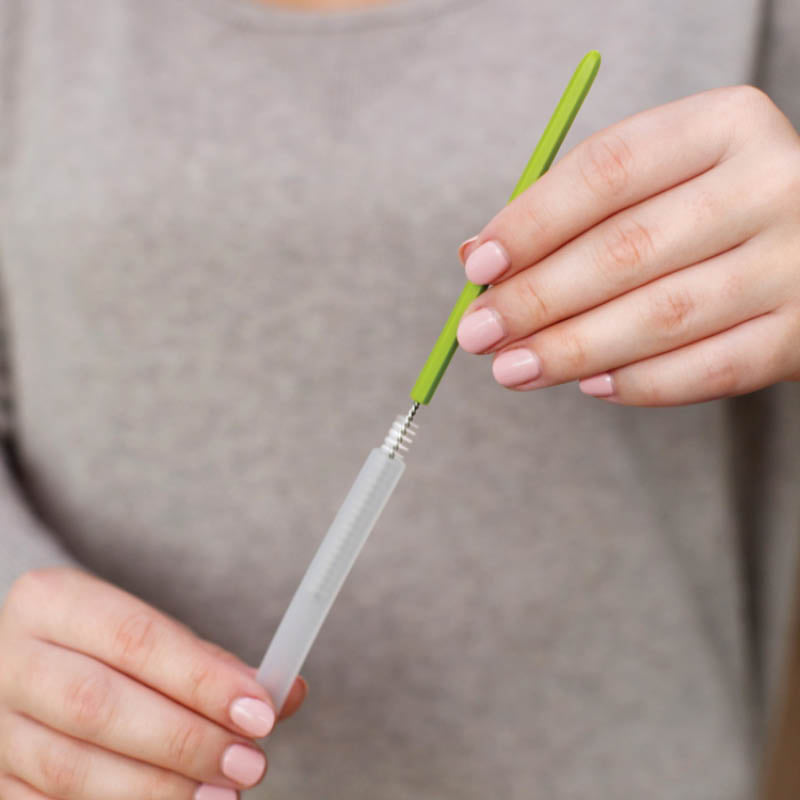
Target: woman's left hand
(658,262)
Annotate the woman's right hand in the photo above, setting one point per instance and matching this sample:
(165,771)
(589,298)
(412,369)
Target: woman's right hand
(102,697)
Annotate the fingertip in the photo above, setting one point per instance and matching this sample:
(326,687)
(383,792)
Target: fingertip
(487,263)
(297,696)
(466,247)
(480,330)
(254,716)
(598,386)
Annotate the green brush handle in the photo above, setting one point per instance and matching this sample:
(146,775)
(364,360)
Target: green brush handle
(540,161)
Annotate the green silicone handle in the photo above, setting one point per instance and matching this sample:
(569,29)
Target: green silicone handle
(540,161)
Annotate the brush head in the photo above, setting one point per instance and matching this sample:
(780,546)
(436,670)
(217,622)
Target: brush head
(401,434)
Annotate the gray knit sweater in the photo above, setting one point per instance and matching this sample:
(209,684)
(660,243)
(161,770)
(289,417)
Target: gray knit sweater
(227,236)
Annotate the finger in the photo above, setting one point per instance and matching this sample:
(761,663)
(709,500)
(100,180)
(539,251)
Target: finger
(296,698)
(612,170)
(213,647)
(678,309)
(79,696)
(132,637)
(65,768)
(685,225)
(745,358)
(297,694)
(12,788)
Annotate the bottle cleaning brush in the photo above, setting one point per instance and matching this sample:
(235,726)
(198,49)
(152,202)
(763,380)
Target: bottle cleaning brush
(384,466)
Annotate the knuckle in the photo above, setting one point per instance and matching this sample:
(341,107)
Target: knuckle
(749,113)
(652,392)
(528,296)
(572,355)
(200,679)
(624,249)
(28,590)
(705,204)
(535,218)
(135,638)
(63,770)
(606,164)
(162,784)
(18,592)
(670,310)
(750,101)
(720,375)
(88,702)
(184,743)
(732,288)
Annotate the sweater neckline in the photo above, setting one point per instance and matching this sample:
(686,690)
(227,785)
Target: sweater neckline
(253,13)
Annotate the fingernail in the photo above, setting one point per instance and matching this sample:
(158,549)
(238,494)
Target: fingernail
(516,366)
(253,716)
(598,385)
(462,248)
(480,330)
(242,764)
(487,263)
(205,791)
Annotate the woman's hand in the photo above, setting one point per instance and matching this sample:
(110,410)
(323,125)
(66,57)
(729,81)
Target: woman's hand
(658,262)
(104,698)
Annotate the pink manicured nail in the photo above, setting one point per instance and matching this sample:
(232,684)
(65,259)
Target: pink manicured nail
(479,330)
(462,248)
(242,764)
(205,791)
(486,263)
(516,366)
(253,716)
(598,385)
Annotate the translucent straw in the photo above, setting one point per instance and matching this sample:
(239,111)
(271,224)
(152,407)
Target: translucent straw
(328,569)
